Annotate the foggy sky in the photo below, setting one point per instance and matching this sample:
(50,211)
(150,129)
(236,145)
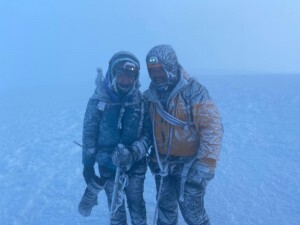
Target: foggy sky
(50,40)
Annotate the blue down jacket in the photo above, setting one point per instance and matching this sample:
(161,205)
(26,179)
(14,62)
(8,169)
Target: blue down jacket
(110,120)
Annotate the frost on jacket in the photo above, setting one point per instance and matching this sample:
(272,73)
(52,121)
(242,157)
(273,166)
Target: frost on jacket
(188,101)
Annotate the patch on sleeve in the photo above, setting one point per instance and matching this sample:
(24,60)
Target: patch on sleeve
(101,105)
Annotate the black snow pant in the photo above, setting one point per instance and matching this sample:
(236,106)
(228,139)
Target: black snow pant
(134,196)
(192,207)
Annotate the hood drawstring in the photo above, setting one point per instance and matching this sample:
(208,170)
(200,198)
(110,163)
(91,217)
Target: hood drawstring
(142,116)
(121,116)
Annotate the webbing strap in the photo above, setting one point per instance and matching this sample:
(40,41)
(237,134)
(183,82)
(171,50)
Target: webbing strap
(177,122)
(119,197)
(162,168)
(184,174)
(157,200)
(171,119)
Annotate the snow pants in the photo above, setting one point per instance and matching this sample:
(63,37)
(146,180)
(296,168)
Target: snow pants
(192,207)
(134,196)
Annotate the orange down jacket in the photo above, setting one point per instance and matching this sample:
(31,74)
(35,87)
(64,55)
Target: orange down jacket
(189,102)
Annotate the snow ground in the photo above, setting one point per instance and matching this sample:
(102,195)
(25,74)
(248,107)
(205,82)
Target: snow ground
(258,176)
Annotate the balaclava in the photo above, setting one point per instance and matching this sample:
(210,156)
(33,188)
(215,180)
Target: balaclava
(166,56)
(122,61)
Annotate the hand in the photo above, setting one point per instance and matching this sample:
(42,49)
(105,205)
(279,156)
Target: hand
(122,156)
(88,173)
(201,171)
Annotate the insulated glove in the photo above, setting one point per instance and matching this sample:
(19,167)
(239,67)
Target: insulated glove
(88,173)
(200,172)
(122,157)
